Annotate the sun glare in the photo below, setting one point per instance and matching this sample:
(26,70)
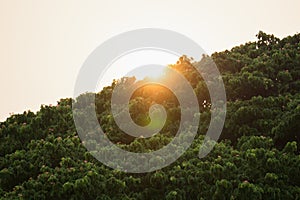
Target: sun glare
(156,73)
(126,66)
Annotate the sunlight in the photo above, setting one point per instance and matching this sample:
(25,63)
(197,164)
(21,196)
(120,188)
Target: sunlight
(156,73)
(126,65)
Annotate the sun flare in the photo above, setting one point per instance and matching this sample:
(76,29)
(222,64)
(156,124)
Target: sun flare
(156,73)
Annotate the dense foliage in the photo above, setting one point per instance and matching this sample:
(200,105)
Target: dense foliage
(257,156)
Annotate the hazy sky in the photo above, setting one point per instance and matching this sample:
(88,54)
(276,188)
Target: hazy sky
(44,43)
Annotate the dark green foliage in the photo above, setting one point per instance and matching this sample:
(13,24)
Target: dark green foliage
(257,156)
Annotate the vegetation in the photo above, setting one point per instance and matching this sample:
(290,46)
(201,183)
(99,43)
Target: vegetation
(257,156)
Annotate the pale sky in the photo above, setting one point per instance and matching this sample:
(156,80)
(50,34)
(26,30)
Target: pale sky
(44,43)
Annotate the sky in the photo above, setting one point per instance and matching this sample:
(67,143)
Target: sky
(43,43)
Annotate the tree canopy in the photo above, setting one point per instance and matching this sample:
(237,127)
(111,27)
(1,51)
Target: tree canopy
(256,157)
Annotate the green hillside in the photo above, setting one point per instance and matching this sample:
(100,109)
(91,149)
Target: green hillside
(256,157)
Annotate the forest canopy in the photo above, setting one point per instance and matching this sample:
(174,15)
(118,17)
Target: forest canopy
(256,157)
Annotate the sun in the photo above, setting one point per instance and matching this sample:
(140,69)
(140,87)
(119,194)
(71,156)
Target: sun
(156,73)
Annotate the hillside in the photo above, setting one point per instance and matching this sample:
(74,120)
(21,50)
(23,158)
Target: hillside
(256,157)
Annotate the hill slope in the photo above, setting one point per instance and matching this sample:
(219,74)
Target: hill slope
(257,156)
